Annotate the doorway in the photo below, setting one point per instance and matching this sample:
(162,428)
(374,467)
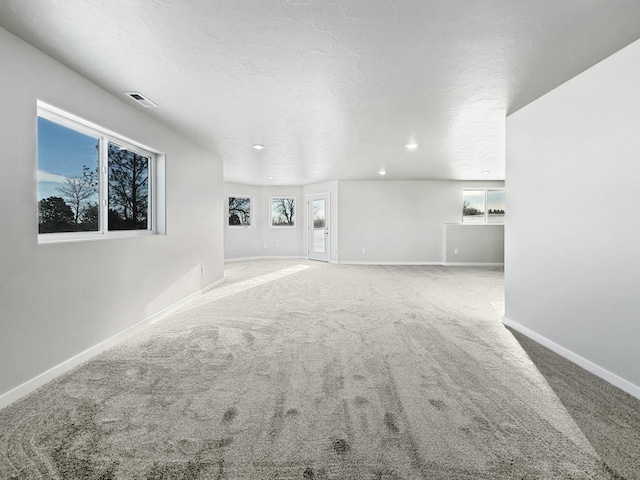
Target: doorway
(318,227)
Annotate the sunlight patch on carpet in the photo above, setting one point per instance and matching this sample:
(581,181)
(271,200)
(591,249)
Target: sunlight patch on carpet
(222,292)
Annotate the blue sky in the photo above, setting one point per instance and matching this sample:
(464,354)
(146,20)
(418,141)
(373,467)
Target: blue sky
(62,151)
(495,199)
(475,198)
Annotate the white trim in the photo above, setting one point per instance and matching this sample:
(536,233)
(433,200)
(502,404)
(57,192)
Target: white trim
(473,264)
(67,119)
(54,372)
(348,262)
(588,365)
(63,237)
(496,224)
(264,257)
(444,243)
(441,264)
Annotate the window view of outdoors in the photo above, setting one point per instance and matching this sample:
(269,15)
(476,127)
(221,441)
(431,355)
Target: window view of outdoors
(282,212)
(239,211)
(67,179)
(128,189)
(319,226)
(495,206)
(473,206)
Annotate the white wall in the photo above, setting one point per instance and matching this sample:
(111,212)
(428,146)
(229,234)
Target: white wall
(57,300)
(250,242)
(243,242)
(398,221)
(470,244)
(572,260)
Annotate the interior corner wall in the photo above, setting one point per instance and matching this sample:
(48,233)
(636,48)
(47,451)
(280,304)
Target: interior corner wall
(261,239)
(398,221)
(572,261)
(60,299)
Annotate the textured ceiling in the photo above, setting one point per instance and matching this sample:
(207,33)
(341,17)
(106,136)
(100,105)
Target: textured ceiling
(333,88)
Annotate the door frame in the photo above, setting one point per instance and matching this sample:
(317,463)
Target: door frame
(326,257)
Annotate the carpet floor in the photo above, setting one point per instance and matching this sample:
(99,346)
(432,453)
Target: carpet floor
(304,370)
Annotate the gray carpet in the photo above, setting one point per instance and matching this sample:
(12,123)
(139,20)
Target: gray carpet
(609,417)
(328,372)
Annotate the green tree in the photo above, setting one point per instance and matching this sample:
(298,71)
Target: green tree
(55,215)
(89,217)
(285,210)
(128,189)
(467,209)
(76,190)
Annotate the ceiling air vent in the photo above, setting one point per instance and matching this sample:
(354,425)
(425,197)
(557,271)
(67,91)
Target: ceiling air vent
(141,99)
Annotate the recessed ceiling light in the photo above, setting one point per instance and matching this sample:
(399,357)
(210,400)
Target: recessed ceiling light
(271,178)
(486,172)
(411,146)
(258,146)
(382,172)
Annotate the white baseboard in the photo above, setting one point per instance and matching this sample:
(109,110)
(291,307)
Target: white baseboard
(473,264)
(349,262)
(588,365)
(54,372)
(266,257)
(241,259)
(441,264)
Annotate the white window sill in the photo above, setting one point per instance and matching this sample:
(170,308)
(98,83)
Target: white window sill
(47,238)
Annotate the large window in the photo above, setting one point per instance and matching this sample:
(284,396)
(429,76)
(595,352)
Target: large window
(68,189)
(239,211)
(283,210)
(90,181)
(483,205)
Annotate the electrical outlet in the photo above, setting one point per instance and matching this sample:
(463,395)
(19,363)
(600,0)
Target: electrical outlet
(455,251)
(364,250)
(201,269)
(265,245)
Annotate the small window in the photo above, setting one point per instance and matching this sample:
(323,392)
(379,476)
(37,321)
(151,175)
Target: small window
(495,206)
(68,189)
(239,211)
(283,211)
(473,206)
(91,181)
(128,186)
(483,205)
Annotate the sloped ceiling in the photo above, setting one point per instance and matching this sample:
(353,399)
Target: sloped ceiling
(333,88)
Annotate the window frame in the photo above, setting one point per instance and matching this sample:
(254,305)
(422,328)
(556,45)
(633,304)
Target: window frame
(486,191)
(295,211)
(104,137)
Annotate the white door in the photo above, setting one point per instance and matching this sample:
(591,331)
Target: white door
(318,226)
